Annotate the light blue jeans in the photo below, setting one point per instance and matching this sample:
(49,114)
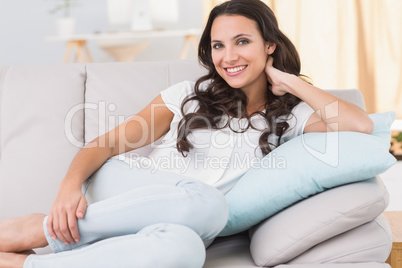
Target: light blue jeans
(140,218)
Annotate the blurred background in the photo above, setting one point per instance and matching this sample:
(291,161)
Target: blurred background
(27,25)
(342,43)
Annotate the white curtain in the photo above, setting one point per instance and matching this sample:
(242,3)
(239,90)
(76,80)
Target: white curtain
(348,44)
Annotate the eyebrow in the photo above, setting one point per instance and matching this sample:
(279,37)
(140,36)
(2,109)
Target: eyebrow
(235,37)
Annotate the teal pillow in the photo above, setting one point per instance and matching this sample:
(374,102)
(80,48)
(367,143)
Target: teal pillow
(307,165)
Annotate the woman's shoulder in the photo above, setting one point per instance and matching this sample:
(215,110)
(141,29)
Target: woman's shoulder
(190,85)
(175,95)
(185,83)
(302,108)
(297,120)
(185,88)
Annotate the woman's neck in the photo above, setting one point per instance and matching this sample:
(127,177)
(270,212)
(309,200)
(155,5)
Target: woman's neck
(256,93)
(256,101)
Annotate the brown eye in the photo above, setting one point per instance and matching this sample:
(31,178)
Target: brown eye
(217,46)
(243,42)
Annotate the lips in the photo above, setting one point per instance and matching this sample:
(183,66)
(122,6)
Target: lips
(235,70)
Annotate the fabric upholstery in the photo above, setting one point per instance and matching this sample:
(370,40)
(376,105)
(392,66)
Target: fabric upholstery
(352,245)
(118,91)
(230,251)
(292,231)
(34,133)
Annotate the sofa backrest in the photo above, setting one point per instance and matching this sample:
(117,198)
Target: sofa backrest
(34,152)
(116,91)
(43,123)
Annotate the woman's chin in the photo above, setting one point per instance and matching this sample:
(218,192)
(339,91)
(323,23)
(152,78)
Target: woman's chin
(234,84)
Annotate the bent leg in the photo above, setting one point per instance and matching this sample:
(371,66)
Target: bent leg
(159,245)
(185,202)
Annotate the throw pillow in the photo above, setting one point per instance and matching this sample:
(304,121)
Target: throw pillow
(310,227)
(307,165)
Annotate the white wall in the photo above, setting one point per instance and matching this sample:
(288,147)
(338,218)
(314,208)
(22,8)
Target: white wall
(24,24)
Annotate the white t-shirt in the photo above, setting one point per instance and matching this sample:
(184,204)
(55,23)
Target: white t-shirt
(219,157)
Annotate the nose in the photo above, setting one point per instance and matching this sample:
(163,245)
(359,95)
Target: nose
(231,55)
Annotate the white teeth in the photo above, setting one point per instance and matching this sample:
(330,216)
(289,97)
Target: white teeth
(236,69)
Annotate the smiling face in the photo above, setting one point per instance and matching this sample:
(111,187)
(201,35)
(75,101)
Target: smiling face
(239,52)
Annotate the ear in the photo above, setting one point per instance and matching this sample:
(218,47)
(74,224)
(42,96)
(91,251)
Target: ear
(270,48)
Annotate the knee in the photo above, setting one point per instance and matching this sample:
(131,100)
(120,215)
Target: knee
(209,211)
(177,245)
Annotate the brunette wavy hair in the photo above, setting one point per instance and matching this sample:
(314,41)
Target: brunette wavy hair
(219,99)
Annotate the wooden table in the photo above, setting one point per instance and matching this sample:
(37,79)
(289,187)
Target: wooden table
(123,46)
(394,219)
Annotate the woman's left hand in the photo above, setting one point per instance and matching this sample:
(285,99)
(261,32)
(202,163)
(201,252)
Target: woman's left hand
(276,78)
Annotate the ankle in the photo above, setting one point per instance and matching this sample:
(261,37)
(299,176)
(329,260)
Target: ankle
(34,233)
(23,233)
(12,260)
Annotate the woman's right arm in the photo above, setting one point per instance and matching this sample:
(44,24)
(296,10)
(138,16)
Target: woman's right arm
(142,129)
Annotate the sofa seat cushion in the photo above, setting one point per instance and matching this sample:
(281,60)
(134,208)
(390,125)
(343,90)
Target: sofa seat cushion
(229,252)
(293,231)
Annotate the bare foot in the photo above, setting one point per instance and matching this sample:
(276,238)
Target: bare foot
(12,260)
(22,233)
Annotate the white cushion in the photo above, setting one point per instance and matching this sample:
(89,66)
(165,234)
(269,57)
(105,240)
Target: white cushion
(294,230)
(371,242)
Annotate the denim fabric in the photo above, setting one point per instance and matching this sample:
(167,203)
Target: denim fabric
(158,245)
(140,216)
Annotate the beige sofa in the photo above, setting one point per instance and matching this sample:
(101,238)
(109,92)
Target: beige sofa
(48,112)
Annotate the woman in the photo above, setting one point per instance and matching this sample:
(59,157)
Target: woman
(252,100)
